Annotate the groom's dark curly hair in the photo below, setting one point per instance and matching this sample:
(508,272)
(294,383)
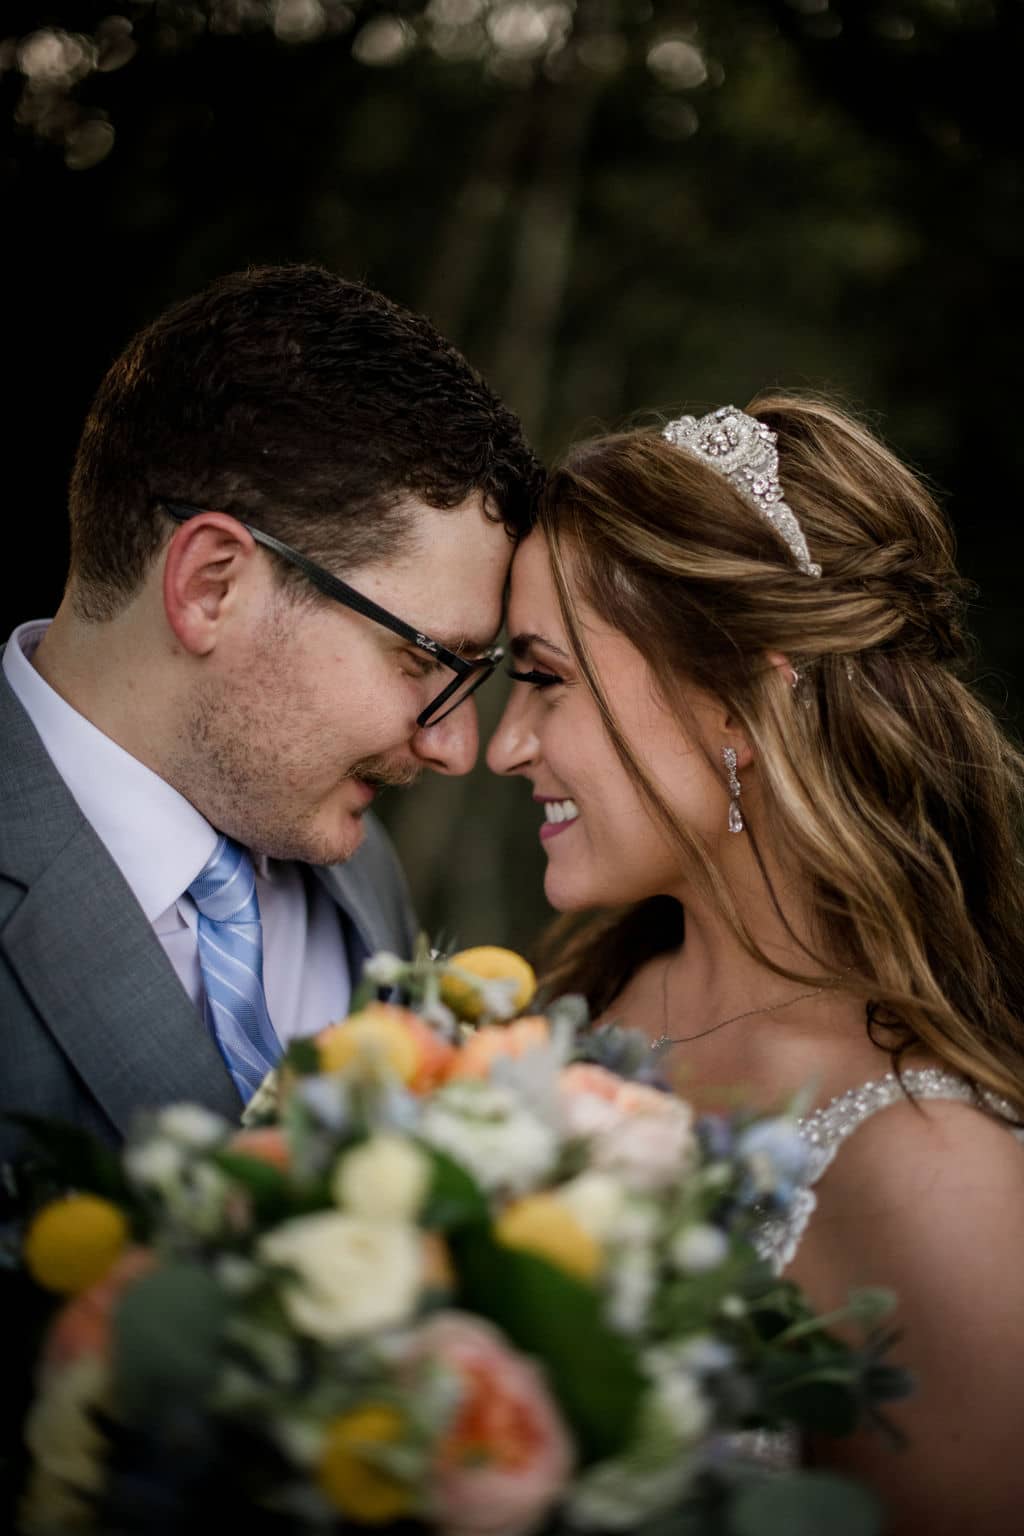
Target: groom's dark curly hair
(305,404)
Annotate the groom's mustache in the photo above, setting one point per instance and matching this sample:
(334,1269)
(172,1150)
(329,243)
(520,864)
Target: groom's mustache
(381,773)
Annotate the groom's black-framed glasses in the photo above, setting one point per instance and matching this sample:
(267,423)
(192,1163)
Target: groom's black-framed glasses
(470,672)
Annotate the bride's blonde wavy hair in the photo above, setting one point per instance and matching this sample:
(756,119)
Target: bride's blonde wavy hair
(889,784)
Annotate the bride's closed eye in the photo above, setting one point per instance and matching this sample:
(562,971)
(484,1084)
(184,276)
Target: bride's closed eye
(534,678)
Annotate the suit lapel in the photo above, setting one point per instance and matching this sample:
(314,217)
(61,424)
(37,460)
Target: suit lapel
(90,962)
(365,928)
(81,947)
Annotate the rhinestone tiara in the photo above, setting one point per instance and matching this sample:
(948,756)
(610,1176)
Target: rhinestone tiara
(742,449)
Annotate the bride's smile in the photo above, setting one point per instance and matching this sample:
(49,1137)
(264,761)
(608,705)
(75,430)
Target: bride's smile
(552,734)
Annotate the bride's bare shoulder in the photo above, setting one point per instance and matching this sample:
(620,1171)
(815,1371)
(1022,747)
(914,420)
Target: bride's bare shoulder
(921,1189)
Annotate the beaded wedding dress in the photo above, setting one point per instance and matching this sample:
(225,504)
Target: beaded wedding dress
(825,1131)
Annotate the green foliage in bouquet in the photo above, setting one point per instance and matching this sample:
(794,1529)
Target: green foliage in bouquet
(461,1268)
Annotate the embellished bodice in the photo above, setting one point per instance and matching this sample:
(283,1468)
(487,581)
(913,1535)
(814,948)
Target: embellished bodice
(826,1129)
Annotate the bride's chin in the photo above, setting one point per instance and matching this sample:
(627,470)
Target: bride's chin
(563,897)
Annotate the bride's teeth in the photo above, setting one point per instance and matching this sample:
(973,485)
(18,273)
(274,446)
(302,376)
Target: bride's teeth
(560,810)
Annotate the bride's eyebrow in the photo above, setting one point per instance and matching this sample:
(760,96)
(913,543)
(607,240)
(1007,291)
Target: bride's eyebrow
(522,645)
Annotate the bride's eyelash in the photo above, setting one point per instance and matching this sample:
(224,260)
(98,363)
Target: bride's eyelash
(536,679)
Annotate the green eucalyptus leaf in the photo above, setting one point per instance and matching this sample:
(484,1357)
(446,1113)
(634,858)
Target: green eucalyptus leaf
(454,1199)
(559,1320)
(825,1398)
(303,1056)
(167,1330)
(804,1504)
(267,1187)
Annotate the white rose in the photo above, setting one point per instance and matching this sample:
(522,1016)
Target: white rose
(192,1125)
(491,1133)
(385,1178)
(596,1200)
(699,1248)
(156,1164)
(351,1275)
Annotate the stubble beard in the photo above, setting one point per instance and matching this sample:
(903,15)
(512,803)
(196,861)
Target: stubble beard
(217,771)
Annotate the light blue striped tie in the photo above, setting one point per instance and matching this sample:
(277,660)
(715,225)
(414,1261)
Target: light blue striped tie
(231,962)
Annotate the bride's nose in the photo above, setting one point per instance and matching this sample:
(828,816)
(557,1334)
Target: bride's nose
(514,745)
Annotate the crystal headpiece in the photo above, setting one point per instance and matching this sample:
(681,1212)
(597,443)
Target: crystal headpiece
(742,449)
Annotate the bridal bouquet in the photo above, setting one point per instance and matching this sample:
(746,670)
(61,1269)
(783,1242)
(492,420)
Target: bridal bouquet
(462,1268)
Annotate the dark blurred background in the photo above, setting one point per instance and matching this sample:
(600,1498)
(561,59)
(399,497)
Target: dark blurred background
(610,205)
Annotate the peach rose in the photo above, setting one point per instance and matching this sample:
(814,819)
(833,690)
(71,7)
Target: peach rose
(82,1326)
(491,1041)
(594,1099)
(633,1130)
(506,1458)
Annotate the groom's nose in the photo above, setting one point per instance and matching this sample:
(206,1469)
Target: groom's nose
(451,745)
(514,744)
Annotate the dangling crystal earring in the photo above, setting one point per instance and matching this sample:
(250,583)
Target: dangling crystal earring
(735,814)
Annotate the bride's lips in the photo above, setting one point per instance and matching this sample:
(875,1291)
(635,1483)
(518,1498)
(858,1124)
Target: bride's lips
(550,829)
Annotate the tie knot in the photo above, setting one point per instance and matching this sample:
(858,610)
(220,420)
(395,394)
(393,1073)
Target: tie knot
(225,888)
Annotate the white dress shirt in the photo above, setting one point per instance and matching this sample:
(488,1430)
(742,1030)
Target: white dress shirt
(160,842)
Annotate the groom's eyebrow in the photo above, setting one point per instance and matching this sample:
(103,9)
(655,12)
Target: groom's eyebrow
(466,645)
(522,645)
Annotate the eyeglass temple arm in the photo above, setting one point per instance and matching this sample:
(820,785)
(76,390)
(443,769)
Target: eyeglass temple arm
(332,586)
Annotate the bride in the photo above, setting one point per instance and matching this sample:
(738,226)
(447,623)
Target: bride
(785,835)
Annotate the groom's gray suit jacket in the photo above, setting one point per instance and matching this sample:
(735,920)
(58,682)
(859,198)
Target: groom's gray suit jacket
(94,1023)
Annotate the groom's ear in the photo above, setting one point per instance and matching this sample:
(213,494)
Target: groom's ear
(206,565)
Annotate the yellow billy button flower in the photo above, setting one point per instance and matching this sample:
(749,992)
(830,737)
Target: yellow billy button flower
(71,1243)
(543,1225)
(353,1484)
(378,1035)
(489,964)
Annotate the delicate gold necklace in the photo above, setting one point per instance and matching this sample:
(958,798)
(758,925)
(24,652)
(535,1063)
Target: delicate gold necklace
(733,1018)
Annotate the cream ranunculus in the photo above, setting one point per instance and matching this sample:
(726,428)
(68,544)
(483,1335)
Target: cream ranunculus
(385,1178)
(67,1447)
(350,1275)
(597,1201)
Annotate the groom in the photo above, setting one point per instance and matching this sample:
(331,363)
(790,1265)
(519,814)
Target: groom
(293,510)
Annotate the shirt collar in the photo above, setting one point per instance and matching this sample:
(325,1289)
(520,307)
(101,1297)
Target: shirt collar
(157,839)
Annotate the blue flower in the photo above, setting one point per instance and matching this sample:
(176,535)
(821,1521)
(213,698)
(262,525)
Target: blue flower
(774,1157)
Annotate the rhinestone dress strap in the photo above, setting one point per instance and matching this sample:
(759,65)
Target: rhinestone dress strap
(826,1129)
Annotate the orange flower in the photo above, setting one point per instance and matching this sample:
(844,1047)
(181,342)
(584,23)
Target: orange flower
(506,1457)
(393,1037)
(267,1144)
(492,1041)
(436,1054)
(82,1326)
